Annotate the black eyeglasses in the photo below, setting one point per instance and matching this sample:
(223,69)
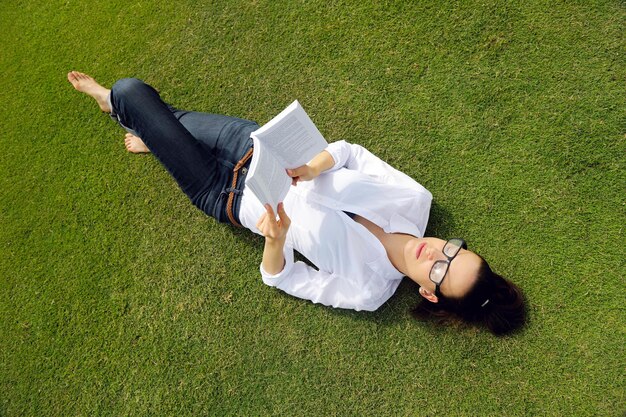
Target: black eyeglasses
(440,268)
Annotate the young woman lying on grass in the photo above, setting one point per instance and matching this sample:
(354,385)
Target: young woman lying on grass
(360,221)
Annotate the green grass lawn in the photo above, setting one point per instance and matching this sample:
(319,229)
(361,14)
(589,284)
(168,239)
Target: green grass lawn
(118,297)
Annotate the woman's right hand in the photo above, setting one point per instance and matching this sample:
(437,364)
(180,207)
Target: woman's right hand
(275,233)
(274,230)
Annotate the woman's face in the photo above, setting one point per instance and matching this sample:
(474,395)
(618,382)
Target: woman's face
(421,253)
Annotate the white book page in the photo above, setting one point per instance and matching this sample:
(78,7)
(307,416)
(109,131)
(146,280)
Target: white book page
(266,177)
(292,137)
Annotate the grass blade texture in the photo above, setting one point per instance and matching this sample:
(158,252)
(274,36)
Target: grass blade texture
(118,297)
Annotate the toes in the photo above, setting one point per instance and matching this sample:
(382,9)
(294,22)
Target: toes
(134,144)
(78,76)
(71,77)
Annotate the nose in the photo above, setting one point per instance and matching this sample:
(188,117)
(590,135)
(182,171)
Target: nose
(433,253)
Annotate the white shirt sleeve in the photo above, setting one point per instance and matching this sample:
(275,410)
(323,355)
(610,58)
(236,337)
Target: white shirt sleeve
(340,151)
(302,281)
(357,158)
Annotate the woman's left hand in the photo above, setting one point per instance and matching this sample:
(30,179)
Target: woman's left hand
(302,173)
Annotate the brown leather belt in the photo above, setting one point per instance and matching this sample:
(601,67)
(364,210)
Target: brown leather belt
(231,195)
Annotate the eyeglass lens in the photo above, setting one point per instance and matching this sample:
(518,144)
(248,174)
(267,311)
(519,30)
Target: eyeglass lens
(452,247)
(438,271)
(440,268)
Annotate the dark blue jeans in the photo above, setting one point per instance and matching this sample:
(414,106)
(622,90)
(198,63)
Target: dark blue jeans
(199,150)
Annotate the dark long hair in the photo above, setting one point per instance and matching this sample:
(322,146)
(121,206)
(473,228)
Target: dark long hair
(493,301)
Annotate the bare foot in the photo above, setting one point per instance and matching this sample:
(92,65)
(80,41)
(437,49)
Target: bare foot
(134,144)
(86,84)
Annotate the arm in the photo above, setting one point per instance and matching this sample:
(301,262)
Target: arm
(356,157)
(323,161)
(337,155)
(330,289)
(275,233)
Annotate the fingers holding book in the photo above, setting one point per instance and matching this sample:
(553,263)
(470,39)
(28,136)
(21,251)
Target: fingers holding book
(274,230)
(323,161)
(302,173)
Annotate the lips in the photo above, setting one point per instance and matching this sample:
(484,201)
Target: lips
(420,248)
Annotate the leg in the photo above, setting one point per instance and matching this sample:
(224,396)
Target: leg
(198,172)
(86,84)
(215,132)
(228,138)
(203,169)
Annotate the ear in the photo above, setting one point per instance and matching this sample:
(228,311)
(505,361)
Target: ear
(428,295)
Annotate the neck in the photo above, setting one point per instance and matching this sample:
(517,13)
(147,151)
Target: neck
(393,243)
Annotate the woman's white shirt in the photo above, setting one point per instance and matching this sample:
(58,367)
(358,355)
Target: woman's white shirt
(353,269)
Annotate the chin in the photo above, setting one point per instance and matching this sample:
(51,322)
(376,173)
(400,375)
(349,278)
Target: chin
(410,250)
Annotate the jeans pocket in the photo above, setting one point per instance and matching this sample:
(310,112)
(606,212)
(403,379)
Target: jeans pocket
(219,208)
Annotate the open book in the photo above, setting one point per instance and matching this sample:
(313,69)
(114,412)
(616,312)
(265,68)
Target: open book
(289,140)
